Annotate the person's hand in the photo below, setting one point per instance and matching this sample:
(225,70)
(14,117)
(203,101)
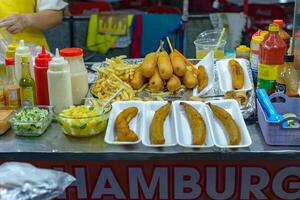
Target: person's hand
(16,23)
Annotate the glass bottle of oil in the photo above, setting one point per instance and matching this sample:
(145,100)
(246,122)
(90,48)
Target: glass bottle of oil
(27,84)
(12,88)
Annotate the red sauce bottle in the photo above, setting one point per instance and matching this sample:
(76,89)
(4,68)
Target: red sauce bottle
(272,51)
(41,80)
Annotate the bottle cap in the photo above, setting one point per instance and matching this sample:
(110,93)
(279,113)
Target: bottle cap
(22,49)
(71,52)
(57,62)
(273,28)
(25,59)
(288,58)
(258,39)
(279,22)
(43,58)
(9,61)
(243,49)
(12,47)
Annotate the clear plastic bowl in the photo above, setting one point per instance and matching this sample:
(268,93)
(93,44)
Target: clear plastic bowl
(31,128)
(84,126)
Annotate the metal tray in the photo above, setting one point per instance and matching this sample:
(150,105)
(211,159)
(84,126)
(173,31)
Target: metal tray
(214,94)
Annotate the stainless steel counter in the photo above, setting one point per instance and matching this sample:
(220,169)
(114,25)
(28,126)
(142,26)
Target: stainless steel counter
(54,145)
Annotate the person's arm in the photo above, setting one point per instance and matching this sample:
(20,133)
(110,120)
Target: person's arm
(45,19)
(41,20)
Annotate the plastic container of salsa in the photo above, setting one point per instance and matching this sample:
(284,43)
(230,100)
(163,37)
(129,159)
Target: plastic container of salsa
(31,121)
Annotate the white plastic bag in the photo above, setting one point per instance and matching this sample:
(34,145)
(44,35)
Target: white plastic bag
(22,181)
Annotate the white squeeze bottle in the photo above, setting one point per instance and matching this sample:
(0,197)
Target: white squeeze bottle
(59,83)
(22,50)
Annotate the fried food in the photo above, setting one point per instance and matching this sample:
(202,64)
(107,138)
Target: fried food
(156,84)
(202,78)
(179,66)
(164,65)
(232,129)
(240,96)
(157,124)
(173,84)
(116,74)
(123,132)
(196,123)
(149,64)
(138,79)
(237,74)
(189,80)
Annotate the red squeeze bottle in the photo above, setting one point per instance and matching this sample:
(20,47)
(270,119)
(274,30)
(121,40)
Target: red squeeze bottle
(41,80)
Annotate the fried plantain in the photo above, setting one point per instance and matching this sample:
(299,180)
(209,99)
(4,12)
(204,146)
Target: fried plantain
(196,123)
(237,74)
(157,124)
(123,132)
(202,78)
(232,129)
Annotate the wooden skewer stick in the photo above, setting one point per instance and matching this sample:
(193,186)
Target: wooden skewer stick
(160,46)
(170,45)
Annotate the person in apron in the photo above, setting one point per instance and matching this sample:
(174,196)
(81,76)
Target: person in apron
(25,20)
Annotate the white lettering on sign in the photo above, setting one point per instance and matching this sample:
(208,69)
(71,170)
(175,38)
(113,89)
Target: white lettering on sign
(186,178)
(279,180)
(114,189)
(212,183)
(248,188)
(159,182)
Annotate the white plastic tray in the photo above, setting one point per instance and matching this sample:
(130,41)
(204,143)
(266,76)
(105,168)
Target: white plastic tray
(219,135)
(169,126)
(183,130)
(208,63)
(135,123)
(224,75)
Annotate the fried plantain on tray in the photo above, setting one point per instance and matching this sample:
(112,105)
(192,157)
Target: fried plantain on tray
(196,123)
(123,132)
(157,124)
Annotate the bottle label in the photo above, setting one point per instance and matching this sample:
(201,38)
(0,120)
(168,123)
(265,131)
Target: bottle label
(270,86)
(13,96)
(27,96)
(254,61)
(281,88)
(268,72)
(2,102)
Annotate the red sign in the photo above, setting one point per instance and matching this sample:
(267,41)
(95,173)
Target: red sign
(273,179)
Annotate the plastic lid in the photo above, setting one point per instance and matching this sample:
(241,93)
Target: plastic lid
(289,58)
(243,49)
(71,52)
(58,60)
(43,58)
(22,49)
(9,61)
(279,22)
(258,39)
(12,47)
(273,27)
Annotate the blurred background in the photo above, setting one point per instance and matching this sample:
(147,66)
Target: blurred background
(183,20)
